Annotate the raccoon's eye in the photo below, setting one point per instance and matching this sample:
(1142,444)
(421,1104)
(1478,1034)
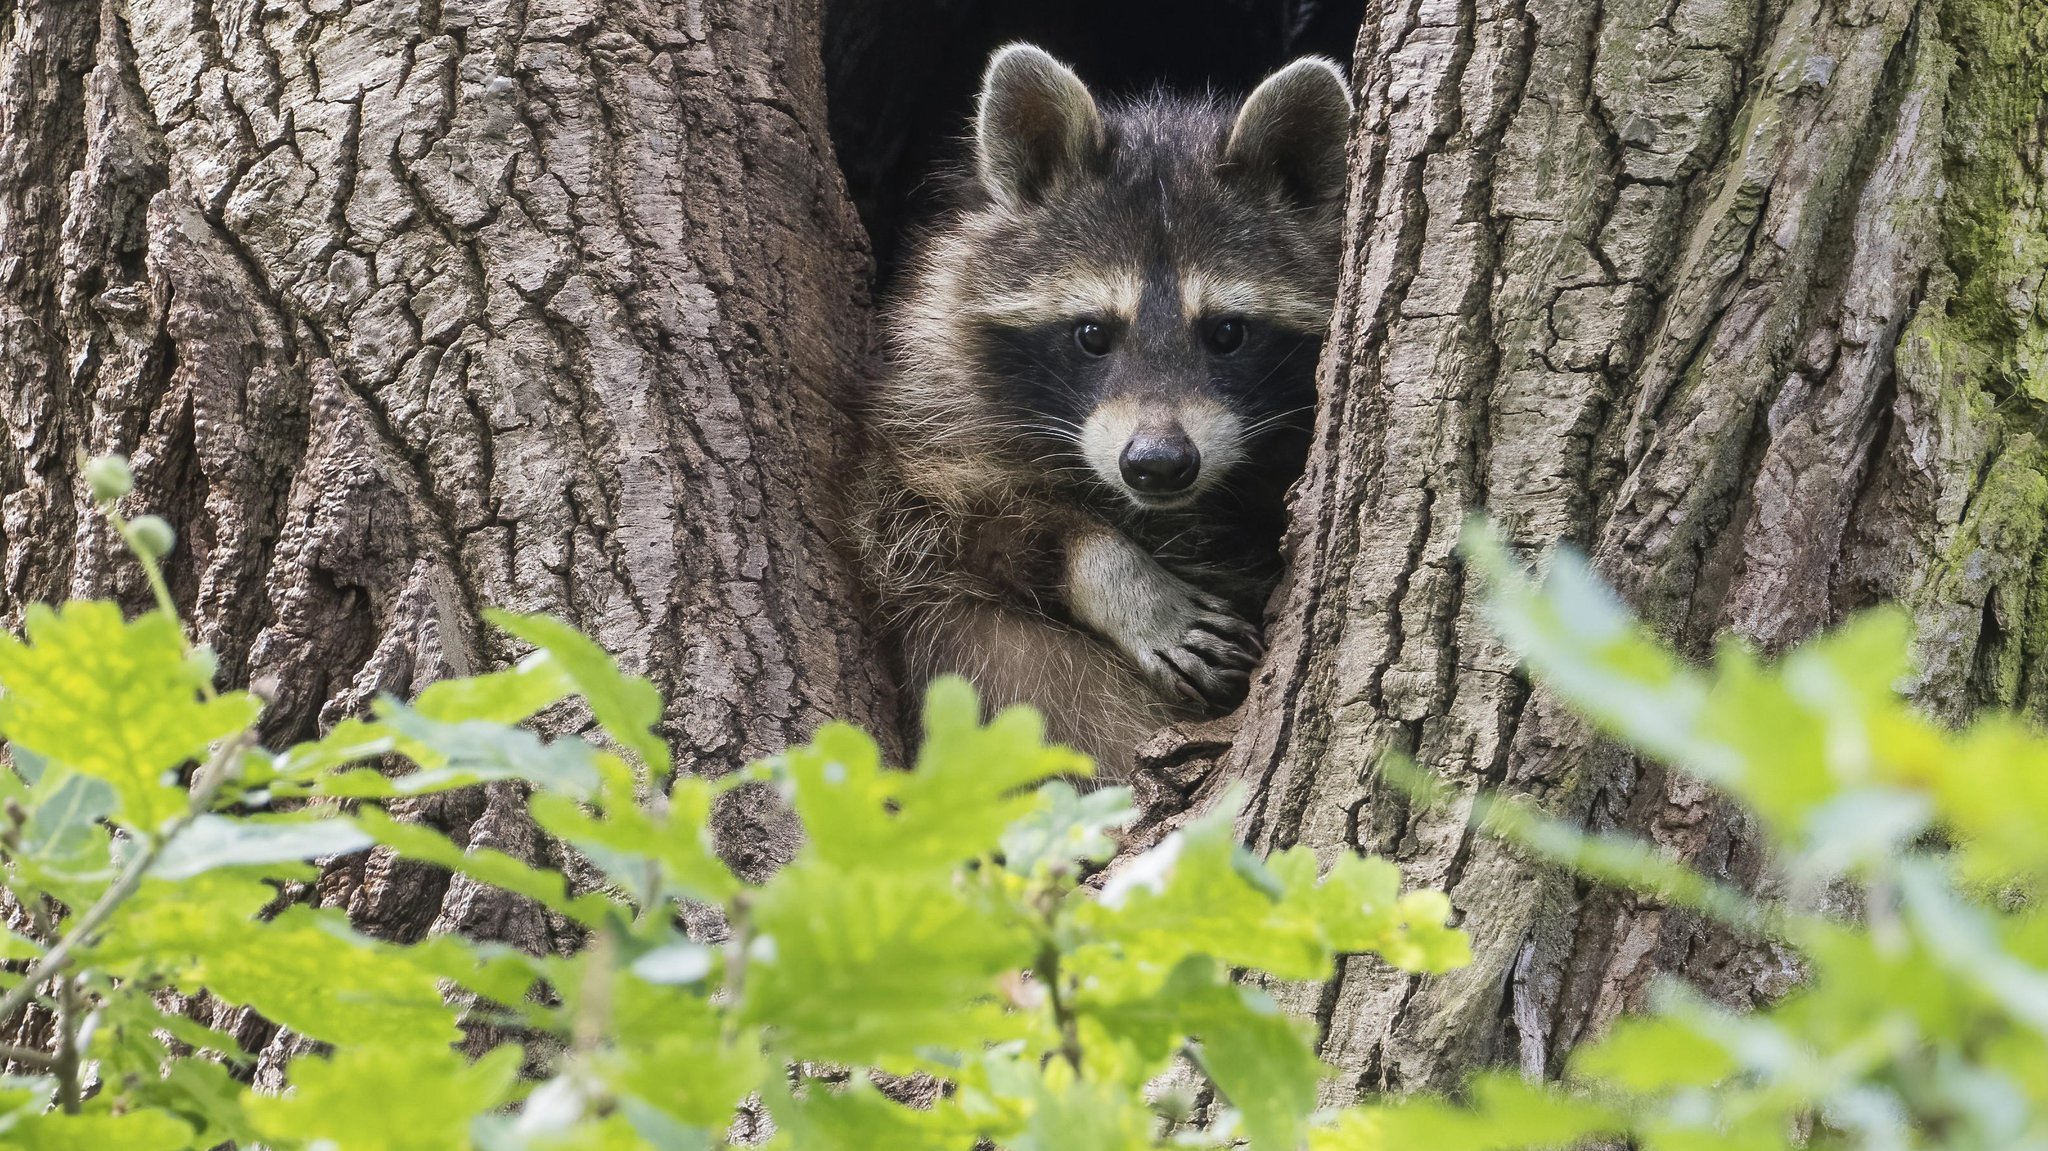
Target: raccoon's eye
(1092,337)
(1226,335)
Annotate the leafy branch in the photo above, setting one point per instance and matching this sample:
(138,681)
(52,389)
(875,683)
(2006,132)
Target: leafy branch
(896,944)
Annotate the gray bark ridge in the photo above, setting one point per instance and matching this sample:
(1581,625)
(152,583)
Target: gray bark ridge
(1678,284)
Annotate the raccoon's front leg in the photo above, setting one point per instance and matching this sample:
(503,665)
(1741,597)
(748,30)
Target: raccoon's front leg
(1189,644)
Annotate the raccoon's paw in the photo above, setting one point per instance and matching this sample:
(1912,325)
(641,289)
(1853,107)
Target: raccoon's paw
(1189,645)
(1205,657)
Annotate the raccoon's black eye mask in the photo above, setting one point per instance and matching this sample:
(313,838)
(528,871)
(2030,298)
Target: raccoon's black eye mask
(1042,372)
(1220,336)
(1054,369)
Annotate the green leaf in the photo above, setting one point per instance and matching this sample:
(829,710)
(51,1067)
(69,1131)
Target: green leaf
(143,1016)
(615,1132)
(972,783)
(856,1117)
(137,1072)
(303,968)
(974,780)
(1264,1063)
(205,1094)
(660,1132)
(1148,1019)
(465,753)
(117,700)
(352,741)
(1505,1114)
(678,962)
(1621,860)
(626,706)
(1262,1060)
(407,1097)
(1646,1055)
(865,969)
(63,829)
(17,946)
(507,697)
(722,1075)
(212,841)
(1082,1116)
(139,1131)
(1576,636)
(1359,907)
(634,846)
(27,764)
(1200,893)
(1069,828)
(1964,940)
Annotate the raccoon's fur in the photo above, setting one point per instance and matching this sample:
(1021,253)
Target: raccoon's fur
(1101,385)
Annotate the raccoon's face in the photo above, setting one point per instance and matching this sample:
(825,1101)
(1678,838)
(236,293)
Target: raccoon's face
(1146,289)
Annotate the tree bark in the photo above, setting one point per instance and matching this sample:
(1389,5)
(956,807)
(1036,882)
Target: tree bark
(403,309)
(1741,299)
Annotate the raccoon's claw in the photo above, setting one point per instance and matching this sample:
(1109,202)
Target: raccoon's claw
(1238,649)
(1207,669)
(1244,638)
(1165,673)
(1189,644)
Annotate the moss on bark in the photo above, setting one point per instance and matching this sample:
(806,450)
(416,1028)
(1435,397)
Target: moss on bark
(1976,352)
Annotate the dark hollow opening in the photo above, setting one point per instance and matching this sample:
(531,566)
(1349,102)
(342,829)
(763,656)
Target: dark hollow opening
(901,74)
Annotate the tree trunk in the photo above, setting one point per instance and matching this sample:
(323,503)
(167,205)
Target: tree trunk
(1743,300)
(404,308)
(408,308)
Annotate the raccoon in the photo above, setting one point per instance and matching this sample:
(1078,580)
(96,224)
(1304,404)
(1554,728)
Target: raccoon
(1101,383)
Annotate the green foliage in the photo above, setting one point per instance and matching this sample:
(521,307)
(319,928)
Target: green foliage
(118,701)
(935,926)
(935,938)
(1922,1018)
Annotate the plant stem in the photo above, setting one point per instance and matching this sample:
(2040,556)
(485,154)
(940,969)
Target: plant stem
(739,919)
(150,568)
(158,586)
(206,787)
(593,1005)
(1047,969)
(9,1053)
(66,1062)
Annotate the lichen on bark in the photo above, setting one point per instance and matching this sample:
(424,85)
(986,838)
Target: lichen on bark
(1973,375)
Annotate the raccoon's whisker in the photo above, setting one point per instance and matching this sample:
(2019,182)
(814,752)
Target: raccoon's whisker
(1066,385)
(1080,476)
(1048,424)
(1284,361)
(1276,419)
(1028,431)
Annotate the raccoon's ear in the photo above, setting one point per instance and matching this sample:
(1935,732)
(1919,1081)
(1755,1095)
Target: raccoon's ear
(1036,125)
(1293,127)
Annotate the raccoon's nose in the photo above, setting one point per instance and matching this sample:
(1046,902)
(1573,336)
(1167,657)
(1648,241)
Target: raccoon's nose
(1160,464)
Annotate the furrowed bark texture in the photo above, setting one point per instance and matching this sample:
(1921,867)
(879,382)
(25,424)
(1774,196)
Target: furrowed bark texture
(408,308)
(1743,299)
